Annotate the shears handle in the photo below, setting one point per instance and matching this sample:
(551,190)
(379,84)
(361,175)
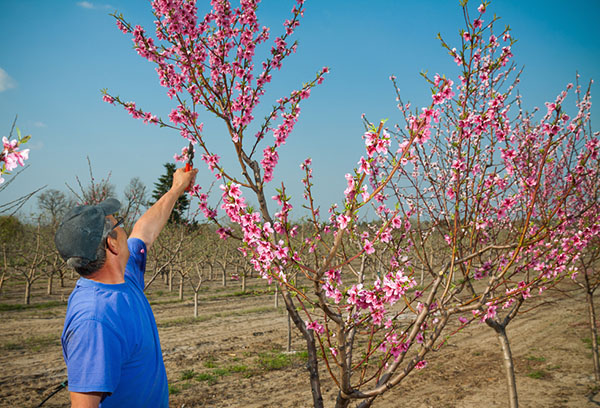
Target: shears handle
(188,167)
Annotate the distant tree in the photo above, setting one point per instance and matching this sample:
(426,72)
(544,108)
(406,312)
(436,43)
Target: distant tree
(136,199)
(96,191)
(53,204)
(162,186)
(12,233)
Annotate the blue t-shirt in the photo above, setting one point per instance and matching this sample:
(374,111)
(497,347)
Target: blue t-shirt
(110,340)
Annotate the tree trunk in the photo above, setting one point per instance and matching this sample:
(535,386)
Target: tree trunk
(49,291)
(210,271)
(312,364)
(27,292)
(2,280)
(224,278)
(593,333)
(289,334)
(61,275)
(509,368)
(181,288)
(276,296)
(196,304)
(170,276)
(341,402)
(244,282)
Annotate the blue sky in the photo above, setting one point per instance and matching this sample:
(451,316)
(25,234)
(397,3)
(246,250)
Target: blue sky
(56,56)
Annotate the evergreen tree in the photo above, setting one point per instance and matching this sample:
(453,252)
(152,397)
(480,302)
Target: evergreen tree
(162,186)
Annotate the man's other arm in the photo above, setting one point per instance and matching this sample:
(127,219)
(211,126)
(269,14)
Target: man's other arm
(153,221)
(86,399)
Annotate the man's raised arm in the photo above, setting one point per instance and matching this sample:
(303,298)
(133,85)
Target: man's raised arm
(153,221)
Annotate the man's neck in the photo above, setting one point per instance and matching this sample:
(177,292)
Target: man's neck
(109,274)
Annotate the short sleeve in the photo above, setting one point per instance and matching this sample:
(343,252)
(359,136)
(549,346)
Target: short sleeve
(136,265)
(93,353)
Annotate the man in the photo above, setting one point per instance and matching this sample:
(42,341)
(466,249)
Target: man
(110,340)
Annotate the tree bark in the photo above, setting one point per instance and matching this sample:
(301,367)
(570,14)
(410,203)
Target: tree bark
(49,290)
(312,364)
(509,368)
(2,280)
(181,288)
(289,333)
(195,304)
(27,292)
(593,333)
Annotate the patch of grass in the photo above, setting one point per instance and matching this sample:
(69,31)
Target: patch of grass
(7,307)
(188,375)
(538,359)
(238,369)
(165,302)
(221,372)
(588,342)
(173,389)
(261,309)
(209,362)
(209,378)
(554,367)
(182,321)
(302,355)
(186,385)
(35,343)
(537,374)
(274,360)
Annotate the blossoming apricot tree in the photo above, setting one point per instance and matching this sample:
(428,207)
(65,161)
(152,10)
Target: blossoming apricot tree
(490,192)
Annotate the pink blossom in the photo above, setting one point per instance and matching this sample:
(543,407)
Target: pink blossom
(421,364)
(315,326)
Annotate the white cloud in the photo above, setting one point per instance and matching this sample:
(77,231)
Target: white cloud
(34,144)
(6,82)
(91,6)
(85,4)
(39,124)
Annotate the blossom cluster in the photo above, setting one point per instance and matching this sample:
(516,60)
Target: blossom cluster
(11,155)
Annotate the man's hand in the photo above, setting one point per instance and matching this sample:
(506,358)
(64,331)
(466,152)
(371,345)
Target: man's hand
(152,222)
(182,180)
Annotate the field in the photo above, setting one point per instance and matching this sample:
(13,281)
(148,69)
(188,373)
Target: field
(234,354)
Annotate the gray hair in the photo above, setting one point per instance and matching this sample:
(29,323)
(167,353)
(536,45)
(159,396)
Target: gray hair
(85,267)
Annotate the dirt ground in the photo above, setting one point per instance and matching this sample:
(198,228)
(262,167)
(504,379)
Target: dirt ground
(234,354)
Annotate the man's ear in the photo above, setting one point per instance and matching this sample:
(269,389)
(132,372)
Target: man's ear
(111,245)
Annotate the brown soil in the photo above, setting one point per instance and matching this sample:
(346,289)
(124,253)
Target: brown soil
(234,354)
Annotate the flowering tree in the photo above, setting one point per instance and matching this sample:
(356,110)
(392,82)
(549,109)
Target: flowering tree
(12,156)
(490,193)
(588,279)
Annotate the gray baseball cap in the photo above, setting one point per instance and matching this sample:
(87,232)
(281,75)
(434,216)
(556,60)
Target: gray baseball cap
(81,231)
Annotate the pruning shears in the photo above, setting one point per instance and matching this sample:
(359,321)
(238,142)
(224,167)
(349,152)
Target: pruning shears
(190,161)
(189,165)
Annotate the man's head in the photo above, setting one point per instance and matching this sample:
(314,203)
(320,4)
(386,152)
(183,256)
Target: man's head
(81,236)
